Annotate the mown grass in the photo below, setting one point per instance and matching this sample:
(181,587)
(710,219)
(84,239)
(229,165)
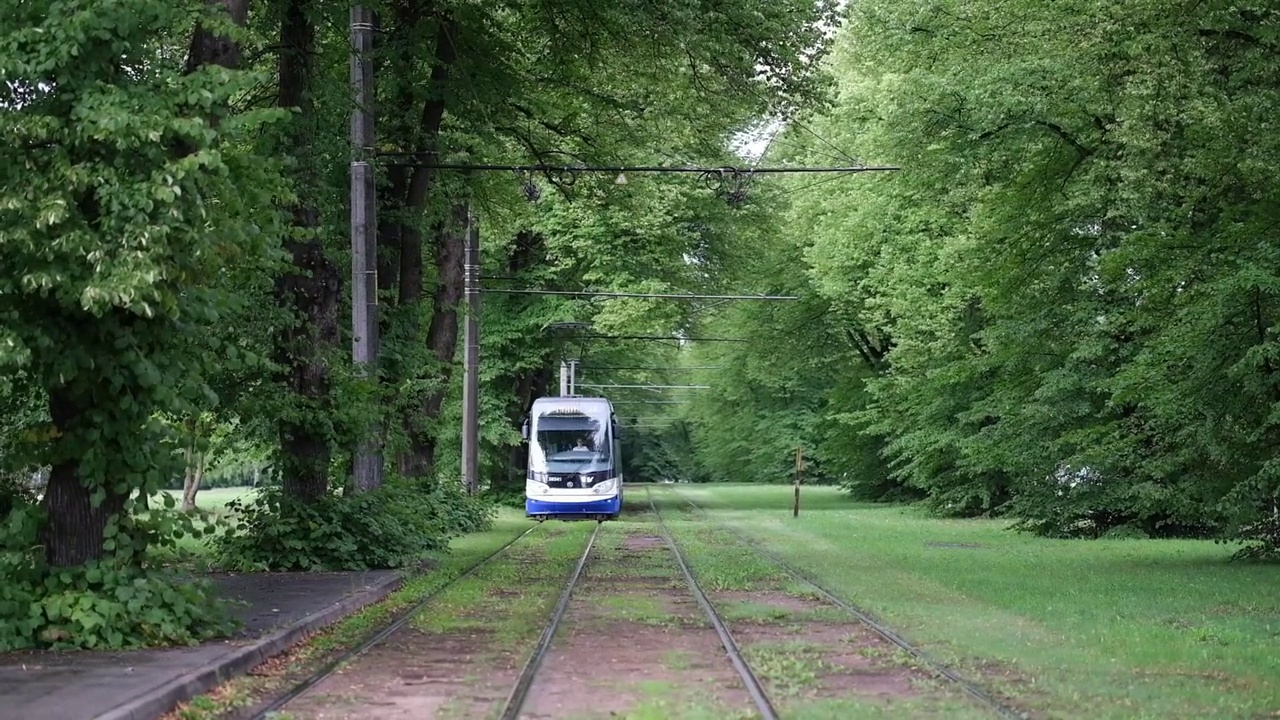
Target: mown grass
(191,552)
(1087,629)
(214,499)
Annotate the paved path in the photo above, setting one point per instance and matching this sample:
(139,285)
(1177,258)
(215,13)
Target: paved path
(145,684)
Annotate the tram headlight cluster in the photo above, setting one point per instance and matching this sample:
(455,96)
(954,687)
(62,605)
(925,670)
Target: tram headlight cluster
(605,486)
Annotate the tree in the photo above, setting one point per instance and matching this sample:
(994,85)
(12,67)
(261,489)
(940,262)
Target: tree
(1069,288)
(121,199)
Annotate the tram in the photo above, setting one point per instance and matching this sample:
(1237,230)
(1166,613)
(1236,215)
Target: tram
(575,460)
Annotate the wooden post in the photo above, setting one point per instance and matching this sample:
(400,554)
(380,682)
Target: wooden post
(795,510)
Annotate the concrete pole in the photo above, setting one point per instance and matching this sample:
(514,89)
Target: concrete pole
(367,468)
(564,378)
(471,358)
(573,377)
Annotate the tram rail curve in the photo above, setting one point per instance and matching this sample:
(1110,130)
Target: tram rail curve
(377,636)
(936,666)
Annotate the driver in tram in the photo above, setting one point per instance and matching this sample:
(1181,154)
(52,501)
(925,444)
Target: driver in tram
(582,444)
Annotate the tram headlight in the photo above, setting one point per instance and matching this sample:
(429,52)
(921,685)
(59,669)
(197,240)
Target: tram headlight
(533,487)
(605,486)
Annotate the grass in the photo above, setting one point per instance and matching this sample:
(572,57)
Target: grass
(214,499)
(790,667)
(510,600)
(1088,629)
(658,707)
(190,552)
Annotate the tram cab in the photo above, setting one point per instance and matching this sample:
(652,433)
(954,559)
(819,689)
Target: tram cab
(575,460)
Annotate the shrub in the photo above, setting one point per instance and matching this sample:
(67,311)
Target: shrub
(512,497)
(389,527)
(112,604)
(15,491)
(1262,540)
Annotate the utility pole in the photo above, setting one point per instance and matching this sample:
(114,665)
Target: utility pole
(471,357)
(367,469)
(573,377)
(564,378)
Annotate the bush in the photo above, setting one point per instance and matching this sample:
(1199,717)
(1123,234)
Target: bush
(512,497)
(1262,540)
(389,527)
(113,604)
(15,491)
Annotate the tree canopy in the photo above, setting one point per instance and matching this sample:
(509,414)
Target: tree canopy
(1063,308)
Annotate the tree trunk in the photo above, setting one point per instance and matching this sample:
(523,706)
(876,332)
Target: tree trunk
(529,385)
(209,49)
(311,290)
(193,459)
(442,341)
(390,216)
(76,529)
(191,482)
(419,458)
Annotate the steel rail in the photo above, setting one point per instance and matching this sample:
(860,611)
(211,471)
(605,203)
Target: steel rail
(378,636)
(754,688)
(519,693)
(936,666)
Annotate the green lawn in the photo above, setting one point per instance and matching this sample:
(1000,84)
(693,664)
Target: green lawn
(214,499)
(1087,629)
(196,551)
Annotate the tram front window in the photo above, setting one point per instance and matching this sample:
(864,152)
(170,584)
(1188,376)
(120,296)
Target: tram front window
(572,445)
(570,448)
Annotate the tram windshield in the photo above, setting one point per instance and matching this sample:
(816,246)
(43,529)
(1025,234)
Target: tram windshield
(565,442)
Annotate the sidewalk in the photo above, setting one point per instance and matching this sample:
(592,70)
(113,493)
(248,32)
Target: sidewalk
(145,684)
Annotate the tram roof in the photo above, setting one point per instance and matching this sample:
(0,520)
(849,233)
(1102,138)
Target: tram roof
(593,403)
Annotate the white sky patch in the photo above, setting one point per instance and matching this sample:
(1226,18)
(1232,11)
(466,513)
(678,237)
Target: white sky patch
(753,143)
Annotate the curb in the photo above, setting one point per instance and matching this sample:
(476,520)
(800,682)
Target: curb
(160,700)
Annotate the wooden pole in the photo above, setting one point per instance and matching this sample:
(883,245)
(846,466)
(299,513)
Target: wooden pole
(795,510)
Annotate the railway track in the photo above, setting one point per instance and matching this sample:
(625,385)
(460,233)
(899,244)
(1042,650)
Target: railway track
(528,676)
(378,636)
(520,693)
(933,664)
(754,687)
(527,680)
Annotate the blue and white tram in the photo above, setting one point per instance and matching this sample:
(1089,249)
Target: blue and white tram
(575,460)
